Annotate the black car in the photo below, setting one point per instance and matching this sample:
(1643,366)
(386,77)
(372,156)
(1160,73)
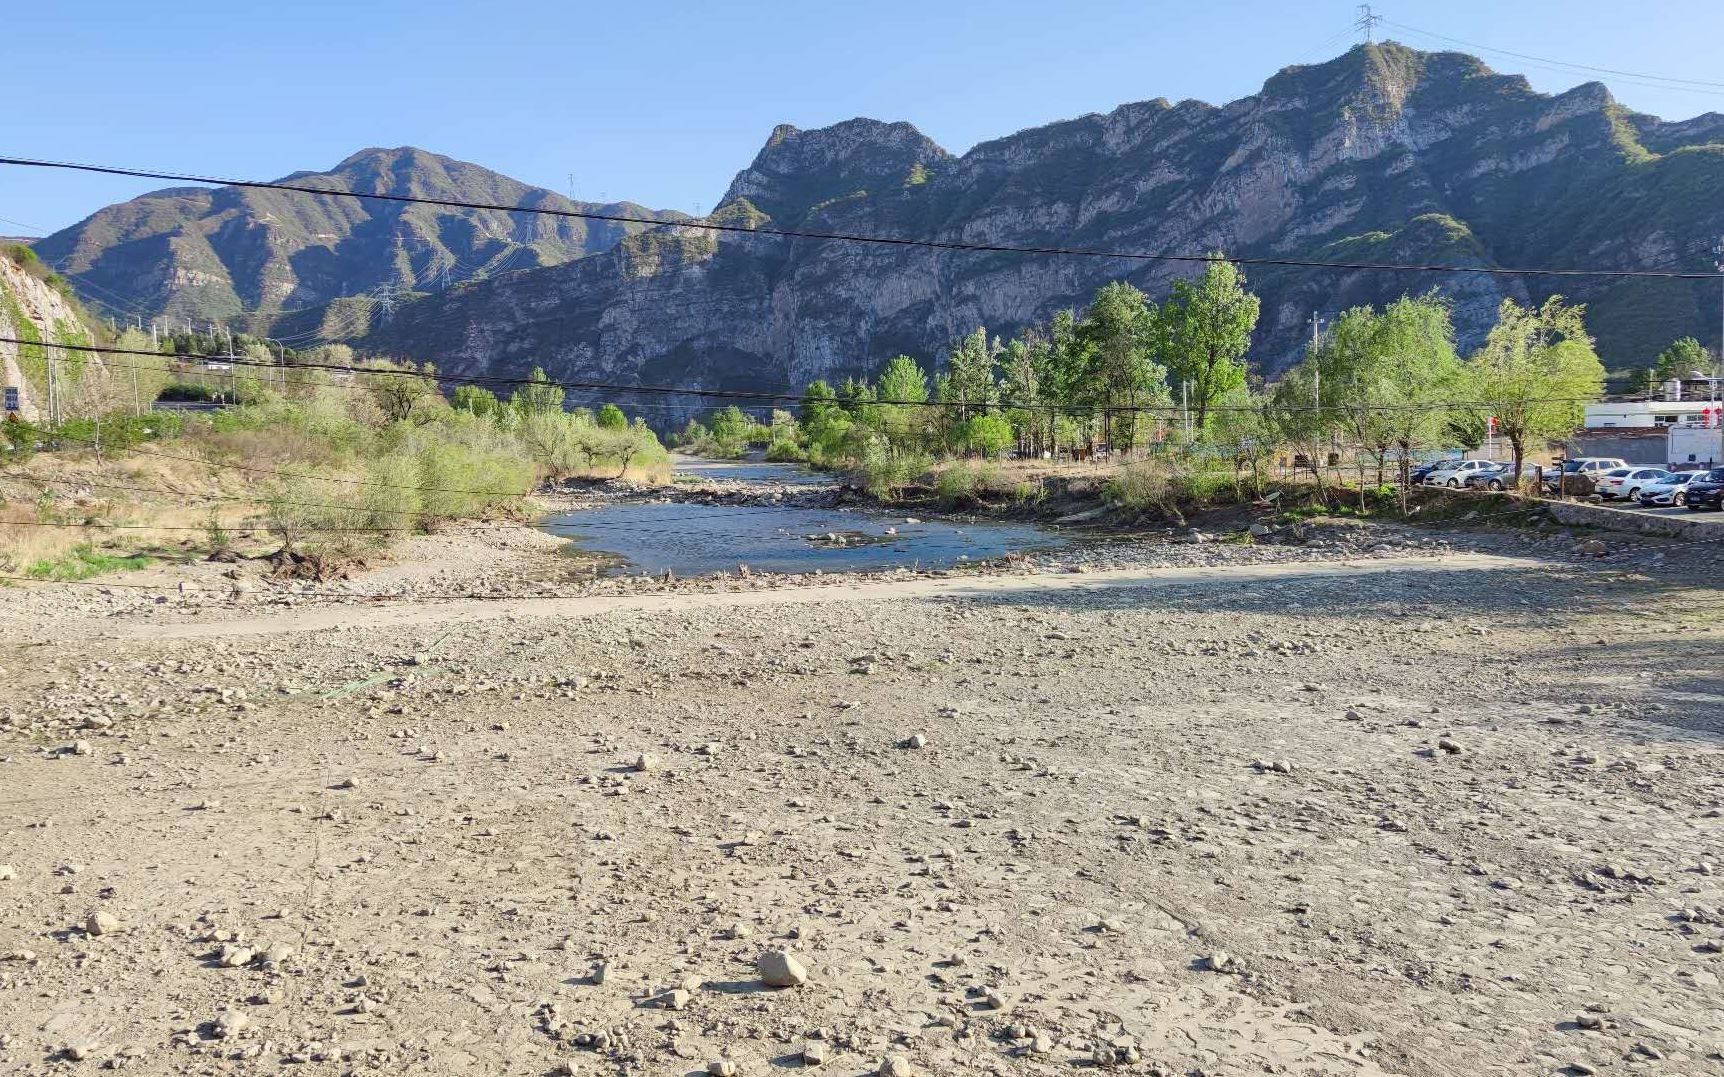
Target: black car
(1706,491)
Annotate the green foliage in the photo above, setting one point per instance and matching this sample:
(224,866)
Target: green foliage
(611,417)
(81,563)
(539,396)
(1681,359)
(476,400)
(1203,332)
(1536,373)
(989,435)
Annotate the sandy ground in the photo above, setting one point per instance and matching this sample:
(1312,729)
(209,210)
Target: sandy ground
(1424,812)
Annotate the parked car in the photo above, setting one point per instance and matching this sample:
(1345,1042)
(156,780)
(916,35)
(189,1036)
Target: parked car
(1592,465)
(1455,473)
(1705,491)
(1670,491)
(1627,481)
(1419,471)
(1500,474)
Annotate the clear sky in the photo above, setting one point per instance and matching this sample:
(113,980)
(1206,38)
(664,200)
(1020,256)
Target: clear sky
(661,102)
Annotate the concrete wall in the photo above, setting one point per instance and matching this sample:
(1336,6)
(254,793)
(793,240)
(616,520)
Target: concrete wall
(1636,449)
(1690,526)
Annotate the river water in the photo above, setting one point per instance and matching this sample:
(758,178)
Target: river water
(690,539)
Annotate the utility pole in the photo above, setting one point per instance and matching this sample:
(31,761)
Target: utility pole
(1719,251)
(1367,23)
(53,390)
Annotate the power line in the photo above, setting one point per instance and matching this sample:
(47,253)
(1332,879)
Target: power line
(847,237)
(1698,85)
(767,398)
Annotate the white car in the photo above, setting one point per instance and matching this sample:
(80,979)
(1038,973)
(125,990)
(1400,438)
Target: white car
(1627,481)
(1668,491)
(1454,475)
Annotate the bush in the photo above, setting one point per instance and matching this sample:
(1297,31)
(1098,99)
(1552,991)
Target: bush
(883,471)
(786,452)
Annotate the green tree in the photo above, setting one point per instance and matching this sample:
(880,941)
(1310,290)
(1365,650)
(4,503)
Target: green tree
(1681,359)
(730,427)
(1203,332)
(819,401)
(899,414)
(1537,372)
(969,380)
(540,396)
(611,417)
(1120,375)
(476,400)
(990,435)
(402,391)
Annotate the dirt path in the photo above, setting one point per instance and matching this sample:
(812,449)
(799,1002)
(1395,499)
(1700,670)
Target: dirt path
(1440,815)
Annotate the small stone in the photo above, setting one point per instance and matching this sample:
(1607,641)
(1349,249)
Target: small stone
(1448,745)
(231,1023)
(916,741)
(1220,961)
(814,1054)
(81,747)
(1588,1020)
(779,968)
(79,1051)
(234,956)
(896,1066)
(103,923)
(721,1067)
(7,873)
(677,999)
(644,762)
(18,955)
(597,976)
(347,783)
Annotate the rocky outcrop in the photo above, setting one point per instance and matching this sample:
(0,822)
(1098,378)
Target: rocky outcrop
(34,311)
(269,261)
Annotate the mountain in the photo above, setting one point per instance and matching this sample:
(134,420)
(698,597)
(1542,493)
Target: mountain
(1385,154)
(270,261)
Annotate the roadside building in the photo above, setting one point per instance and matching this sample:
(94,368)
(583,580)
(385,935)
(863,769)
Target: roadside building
(1673,430)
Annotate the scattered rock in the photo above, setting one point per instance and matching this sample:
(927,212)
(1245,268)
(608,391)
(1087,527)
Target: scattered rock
(780,968)
(103,923)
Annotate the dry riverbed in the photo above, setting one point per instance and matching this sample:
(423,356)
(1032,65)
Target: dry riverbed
(1385,802)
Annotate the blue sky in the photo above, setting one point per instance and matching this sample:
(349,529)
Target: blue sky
(662,102)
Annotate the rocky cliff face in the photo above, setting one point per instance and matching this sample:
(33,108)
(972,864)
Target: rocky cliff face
(1382,155)
(267,260)
(35,312)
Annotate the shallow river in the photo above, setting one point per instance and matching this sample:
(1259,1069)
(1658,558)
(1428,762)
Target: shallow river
(690,539)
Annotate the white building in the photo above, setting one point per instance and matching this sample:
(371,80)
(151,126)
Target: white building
(1641,414)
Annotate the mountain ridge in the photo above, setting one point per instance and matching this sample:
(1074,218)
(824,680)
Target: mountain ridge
(249,256)
(1385,153)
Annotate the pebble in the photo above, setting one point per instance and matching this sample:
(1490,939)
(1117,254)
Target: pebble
(916,741)
(644,762)
(814,1055)
(1220,961)
(780,968)
(7,873)
(231,1023)
(721,1067)
(896,1066)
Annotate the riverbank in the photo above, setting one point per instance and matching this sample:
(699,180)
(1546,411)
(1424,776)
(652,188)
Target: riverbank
(1004,822)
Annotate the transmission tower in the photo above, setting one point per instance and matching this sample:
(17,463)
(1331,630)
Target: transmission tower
(1367,23)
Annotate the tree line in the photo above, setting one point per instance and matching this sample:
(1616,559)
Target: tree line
(1137,377)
